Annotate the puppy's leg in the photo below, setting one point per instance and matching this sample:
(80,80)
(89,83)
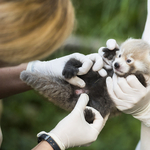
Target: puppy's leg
(56,90)
(71,68)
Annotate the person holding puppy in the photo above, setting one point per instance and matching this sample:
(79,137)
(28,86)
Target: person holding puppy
(129,95)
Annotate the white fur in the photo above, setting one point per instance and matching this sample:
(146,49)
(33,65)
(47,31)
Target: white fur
(139,65)
(124,67)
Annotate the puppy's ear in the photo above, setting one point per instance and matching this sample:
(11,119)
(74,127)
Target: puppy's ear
(129,39)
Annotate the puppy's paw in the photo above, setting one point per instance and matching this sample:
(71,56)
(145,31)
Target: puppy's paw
(109,54)
(71,68)
(89,115)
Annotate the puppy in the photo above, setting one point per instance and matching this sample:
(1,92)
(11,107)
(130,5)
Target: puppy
(131,58)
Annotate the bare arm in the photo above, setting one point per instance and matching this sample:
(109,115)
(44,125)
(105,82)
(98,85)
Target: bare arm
(10,82)
(43,145)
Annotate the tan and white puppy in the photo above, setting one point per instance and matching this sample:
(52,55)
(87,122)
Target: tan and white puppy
(133,57)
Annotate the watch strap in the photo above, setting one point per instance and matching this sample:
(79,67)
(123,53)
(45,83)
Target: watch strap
(50,140)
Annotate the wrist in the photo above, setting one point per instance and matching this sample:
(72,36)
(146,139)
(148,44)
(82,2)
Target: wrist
(143,115)
(38,67)
(52,139)
(43,67)
(43,145)
(31,66)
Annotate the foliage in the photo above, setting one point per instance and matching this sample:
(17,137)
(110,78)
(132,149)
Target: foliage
(110,19)
(26,114)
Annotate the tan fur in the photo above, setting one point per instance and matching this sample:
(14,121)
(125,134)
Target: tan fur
(137,47)
(33,29)
(136,50)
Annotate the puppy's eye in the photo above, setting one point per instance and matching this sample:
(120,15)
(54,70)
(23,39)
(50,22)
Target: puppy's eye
(119,56)
(128,61)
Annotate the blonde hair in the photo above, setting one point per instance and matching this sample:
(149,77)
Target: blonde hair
(33,29)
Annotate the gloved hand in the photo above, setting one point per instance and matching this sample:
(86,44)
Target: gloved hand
(56,66)
(111,44)
(73,130)
(98,64)
(130,96)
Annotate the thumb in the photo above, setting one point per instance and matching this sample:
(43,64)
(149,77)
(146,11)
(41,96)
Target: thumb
(112,44)
(99,121)
(109,84)
(82,102)
(76,81)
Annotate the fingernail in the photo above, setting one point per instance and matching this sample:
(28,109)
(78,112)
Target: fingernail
(85,95)
(103,73)
(81,83)
(111,43)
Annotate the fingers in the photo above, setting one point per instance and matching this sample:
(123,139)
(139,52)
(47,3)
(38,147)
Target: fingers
(123,85)
(82,102)
(98,65)
(123,95)
(86,63)
(85,67)
(102,72)
(109,84)
(117,90)
(112,92)
(134,82)
(100,51)
(76,81)
(98,61)
(112,44)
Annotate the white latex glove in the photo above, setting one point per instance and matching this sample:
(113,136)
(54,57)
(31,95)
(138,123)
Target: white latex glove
(111,44)
(73,130)
(130,96)
(56,66)
(98,64)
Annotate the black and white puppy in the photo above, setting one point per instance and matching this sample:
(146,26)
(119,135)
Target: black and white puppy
(66,95)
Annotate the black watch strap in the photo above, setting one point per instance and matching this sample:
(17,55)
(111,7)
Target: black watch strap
(50,140)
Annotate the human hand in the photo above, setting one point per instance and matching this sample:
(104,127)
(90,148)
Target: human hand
(108,52)
(73,130)
(98,64)
(130,96)
(56,66)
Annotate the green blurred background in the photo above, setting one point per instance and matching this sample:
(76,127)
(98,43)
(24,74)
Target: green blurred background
(26,114)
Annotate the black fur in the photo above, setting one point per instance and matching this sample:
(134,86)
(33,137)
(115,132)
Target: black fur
(95,88)
(109,54)
(65,95)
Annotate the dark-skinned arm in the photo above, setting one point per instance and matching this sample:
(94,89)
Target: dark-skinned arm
(10,82)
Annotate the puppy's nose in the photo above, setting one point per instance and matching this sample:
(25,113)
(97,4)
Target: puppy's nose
(116,65)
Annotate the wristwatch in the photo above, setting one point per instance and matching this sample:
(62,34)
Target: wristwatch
(49,139)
